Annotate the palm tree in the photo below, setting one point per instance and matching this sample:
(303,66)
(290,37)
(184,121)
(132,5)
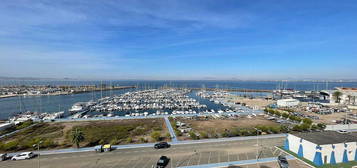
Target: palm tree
(337,95)
(349,99)
(77,137)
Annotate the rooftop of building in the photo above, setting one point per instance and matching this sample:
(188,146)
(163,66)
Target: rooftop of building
(327,137)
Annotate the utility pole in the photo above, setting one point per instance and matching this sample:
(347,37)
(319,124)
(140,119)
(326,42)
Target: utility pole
(38,153)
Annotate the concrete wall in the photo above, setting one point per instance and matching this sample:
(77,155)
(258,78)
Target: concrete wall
(341,127)
(339,150)
(309,148)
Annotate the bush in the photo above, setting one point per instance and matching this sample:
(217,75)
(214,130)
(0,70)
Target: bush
(297,128)
(168,135)
(143,140)
(203,134)
(284,128)
(24,124)
(156,135)
(13,145)
(307,121)
(321,126)
(129,140)
(225,134)
(193,135)
(305,127)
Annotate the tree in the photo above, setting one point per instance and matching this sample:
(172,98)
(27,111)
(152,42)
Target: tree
(321,126)
(307,121)
(77,137)
(337,96)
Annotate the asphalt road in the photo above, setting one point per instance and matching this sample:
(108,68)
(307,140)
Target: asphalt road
(181,155)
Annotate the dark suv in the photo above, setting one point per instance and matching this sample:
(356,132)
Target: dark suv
(283,162)
(162,162)
(161,145)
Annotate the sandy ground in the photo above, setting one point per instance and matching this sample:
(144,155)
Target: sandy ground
(256,103)
(328,119)
(222,124)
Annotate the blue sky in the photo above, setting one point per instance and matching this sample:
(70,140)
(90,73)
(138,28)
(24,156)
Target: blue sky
(176,39)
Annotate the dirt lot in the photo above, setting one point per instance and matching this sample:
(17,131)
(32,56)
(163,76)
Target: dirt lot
(327,119)
(256,102)
(58,135)
(221,125)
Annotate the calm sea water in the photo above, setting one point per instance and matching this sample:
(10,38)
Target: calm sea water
(11,106)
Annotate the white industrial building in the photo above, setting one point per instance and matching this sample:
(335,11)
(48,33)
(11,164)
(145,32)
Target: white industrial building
(328,147)
(287,102)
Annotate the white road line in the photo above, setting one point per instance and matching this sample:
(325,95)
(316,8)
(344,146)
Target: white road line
(209,158)
(189,159)
(137,162)
(148,162)
(219,156)
(246,154)
(199,159)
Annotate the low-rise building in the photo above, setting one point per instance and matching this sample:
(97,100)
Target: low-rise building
(328,147)
(288,102)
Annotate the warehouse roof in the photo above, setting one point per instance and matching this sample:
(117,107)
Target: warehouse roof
(327,137)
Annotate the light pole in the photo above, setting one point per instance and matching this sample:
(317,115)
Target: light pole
(38,152)
(257,142)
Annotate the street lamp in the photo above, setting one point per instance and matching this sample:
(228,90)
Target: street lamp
(257,142)
(38,152)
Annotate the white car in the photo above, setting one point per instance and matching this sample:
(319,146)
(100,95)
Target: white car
(23,156)
(342,131)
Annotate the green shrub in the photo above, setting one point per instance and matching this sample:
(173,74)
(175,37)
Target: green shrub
(129,140)
(13,145)
(203,134)
(156,135)
(193,135)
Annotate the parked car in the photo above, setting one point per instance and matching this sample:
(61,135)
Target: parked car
(162,162)
(98,148)
(161,145)
(342,131)
(107,148)
(3,156)
(23,156)
(283,162)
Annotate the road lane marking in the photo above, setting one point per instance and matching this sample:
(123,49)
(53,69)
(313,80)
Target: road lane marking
(199,159)
(209,158)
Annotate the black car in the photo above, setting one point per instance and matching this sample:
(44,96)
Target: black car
(161,145)
(283,162)
(162,162)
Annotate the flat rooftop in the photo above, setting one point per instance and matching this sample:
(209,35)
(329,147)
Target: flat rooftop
(327,137)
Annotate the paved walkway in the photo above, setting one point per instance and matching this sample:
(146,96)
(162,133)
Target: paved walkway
(88,149)
(8,134)
(171,130)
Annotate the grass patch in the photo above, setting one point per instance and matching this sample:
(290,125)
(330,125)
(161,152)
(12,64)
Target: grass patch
(58,135)
(339,165)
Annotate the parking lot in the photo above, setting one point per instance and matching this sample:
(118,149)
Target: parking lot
(180,155)
(292,164)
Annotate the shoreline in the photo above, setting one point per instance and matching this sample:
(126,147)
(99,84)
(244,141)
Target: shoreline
(68,92)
